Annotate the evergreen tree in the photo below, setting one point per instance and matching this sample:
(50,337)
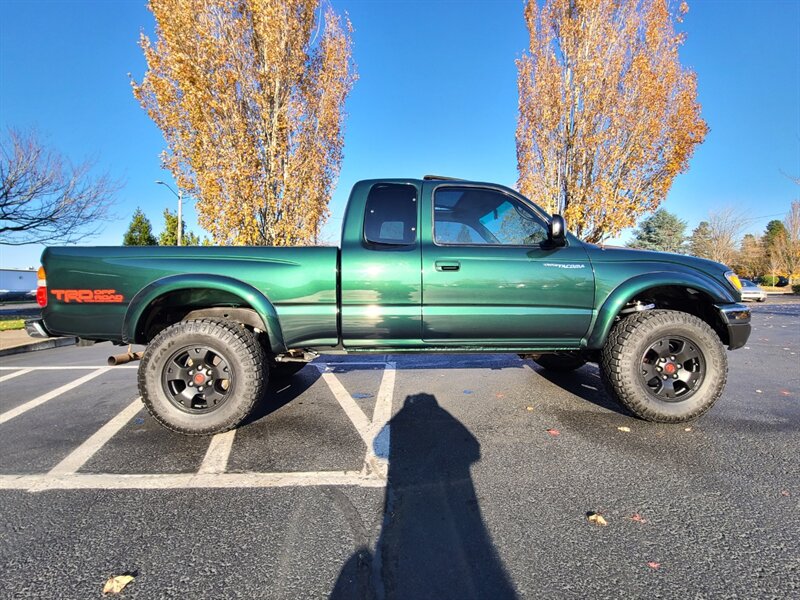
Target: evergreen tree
(140,231)
(169,237)
(775,230)
(700,243)
(662,231)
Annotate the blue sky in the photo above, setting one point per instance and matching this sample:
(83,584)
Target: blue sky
(436,94)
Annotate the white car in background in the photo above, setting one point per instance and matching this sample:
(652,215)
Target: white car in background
(750,291)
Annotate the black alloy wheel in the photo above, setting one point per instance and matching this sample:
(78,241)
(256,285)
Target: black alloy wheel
(198,379)
(673,368)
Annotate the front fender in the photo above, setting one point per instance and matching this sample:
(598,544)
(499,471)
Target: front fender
(246,292)
(630,288)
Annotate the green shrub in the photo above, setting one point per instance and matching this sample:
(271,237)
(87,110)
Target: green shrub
(796,288)
(769,280)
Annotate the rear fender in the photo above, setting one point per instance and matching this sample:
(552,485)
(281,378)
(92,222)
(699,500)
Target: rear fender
(631,288)
(249,296)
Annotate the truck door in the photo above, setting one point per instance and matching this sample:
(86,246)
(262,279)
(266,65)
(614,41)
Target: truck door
(489,278)
(380,267)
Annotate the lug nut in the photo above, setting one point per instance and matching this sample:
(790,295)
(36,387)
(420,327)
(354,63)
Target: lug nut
(191,384)
(678,366)
(658,369)
(675,376)
(664,377)
(672,358)
(200,388)
(191,372)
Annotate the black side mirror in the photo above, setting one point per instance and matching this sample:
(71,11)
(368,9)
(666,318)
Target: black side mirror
(557,233)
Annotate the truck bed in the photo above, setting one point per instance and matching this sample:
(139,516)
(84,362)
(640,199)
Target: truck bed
(90,288)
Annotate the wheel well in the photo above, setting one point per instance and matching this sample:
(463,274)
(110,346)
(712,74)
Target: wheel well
(684,299)
(194,303)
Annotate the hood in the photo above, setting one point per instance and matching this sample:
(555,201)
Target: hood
(620,254)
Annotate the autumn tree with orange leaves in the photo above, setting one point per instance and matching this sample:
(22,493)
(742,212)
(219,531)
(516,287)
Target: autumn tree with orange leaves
(608,117)
(249,95)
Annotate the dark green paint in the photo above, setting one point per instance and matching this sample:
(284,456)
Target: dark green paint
(362,298)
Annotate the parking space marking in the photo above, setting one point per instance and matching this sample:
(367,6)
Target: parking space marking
(216,458)
(78,457)
(377,459)
(212,471)
(349,406)
(70,368)
(161,481)
(15,412)
(16,374)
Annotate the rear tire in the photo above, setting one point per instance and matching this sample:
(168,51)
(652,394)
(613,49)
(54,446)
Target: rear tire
(563,362)
(664,366)
(202,377)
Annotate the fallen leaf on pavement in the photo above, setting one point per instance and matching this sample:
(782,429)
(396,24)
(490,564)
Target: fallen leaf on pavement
(785,393)
(785,493)
(597,519)
(529,408)
(758,391)
(553,432)
(687,428)
(653,565)
(115,585)
(499,395)
(625,429)
(638,518)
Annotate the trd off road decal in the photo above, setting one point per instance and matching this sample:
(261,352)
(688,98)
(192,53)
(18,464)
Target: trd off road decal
(88,296)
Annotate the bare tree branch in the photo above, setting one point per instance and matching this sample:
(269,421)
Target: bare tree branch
(45,199)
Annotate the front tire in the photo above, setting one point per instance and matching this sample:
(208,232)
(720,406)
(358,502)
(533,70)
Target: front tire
(664,366)
(202,377)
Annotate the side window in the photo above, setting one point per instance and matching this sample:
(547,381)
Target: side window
(390,217)
(472,216)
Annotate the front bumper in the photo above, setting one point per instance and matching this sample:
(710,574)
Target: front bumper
(36,328)
(736,318)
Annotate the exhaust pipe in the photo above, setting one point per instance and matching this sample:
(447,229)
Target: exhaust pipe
(121,359)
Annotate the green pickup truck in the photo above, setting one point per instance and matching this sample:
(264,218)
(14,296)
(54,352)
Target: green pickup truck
(430,265)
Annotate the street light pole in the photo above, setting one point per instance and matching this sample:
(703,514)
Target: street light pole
(179,195)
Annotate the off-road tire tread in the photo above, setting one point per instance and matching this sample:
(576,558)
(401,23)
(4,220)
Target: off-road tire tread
(620,383)
(241,343)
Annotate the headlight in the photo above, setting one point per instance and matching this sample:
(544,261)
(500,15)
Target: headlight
(734,279)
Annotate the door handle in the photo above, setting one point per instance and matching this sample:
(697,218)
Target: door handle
(447,265)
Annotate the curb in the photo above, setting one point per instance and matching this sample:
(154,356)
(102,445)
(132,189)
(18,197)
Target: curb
(43,345)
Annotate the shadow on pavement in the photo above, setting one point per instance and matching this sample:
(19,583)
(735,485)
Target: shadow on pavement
(281,391)
(585,383)
(434,543)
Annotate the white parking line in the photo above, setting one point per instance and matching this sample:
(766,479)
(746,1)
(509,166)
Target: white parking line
(23,408)
(78,457)
(349,406)
(216,458)
(69,368)
(211,474)
(12,375)
(377,458)
(160,481)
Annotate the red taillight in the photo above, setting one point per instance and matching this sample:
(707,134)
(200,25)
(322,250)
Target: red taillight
(41,290)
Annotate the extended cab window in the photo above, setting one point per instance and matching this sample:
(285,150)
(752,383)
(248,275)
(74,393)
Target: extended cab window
(472,216)
(391,215)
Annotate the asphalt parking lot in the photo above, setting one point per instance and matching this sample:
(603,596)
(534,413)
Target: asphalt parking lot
(458,476)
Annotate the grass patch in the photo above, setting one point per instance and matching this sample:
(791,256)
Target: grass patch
(9,322)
